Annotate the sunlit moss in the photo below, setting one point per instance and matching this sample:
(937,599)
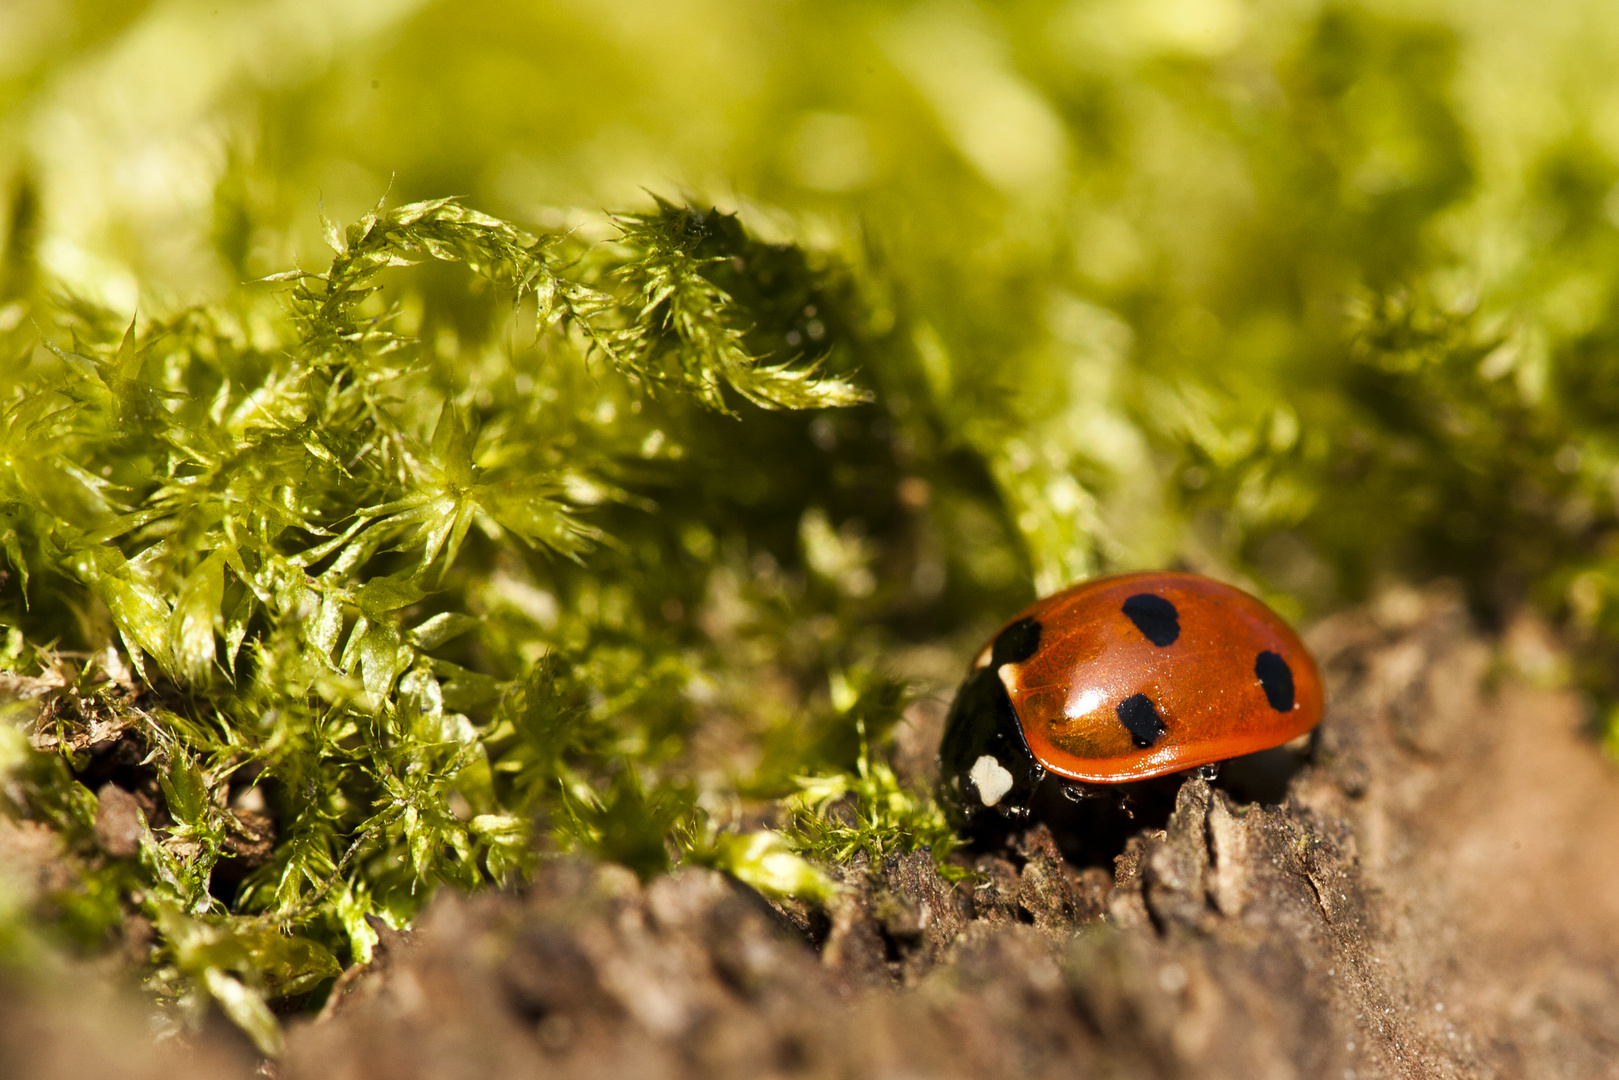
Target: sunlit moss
(260,556)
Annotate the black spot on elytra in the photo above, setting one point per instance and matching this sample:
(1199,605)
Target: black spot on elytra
(1277,679)
(1140,718)
(1016,643)
(1155,617)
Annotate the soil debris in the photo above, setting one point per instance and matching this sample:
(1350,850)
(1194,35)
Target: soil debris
(118,821)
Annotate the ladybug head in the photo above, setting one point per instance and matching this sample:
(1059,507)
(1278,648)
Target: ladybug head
(986,771)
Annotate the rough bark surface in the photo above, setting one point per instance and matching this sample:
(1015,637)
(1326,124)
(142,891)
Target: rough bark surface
(1436,896)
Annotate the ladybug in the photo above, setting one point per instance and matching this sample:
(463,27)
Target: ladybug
(1122,679)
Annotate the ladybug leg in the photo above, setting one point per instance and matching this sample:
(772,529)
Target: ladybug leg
(1210,772)
(1121,796)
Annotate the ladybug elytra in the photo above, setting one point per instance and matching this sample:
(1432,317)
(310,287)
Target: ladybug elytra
(1122,679)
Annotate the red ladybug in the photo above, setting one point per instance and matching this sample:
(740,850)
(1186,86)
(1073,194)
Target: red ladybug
(1120,679)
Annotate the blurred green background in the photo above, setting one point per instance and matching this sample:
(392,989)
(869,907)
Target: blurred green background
(1129,246)
(1318,298)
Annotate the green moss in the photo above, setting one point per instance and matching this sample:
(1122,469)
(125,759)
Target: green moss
(286,518)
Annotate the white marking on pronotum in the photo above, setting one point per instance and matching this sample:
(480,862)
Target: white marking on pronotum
(991,778)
